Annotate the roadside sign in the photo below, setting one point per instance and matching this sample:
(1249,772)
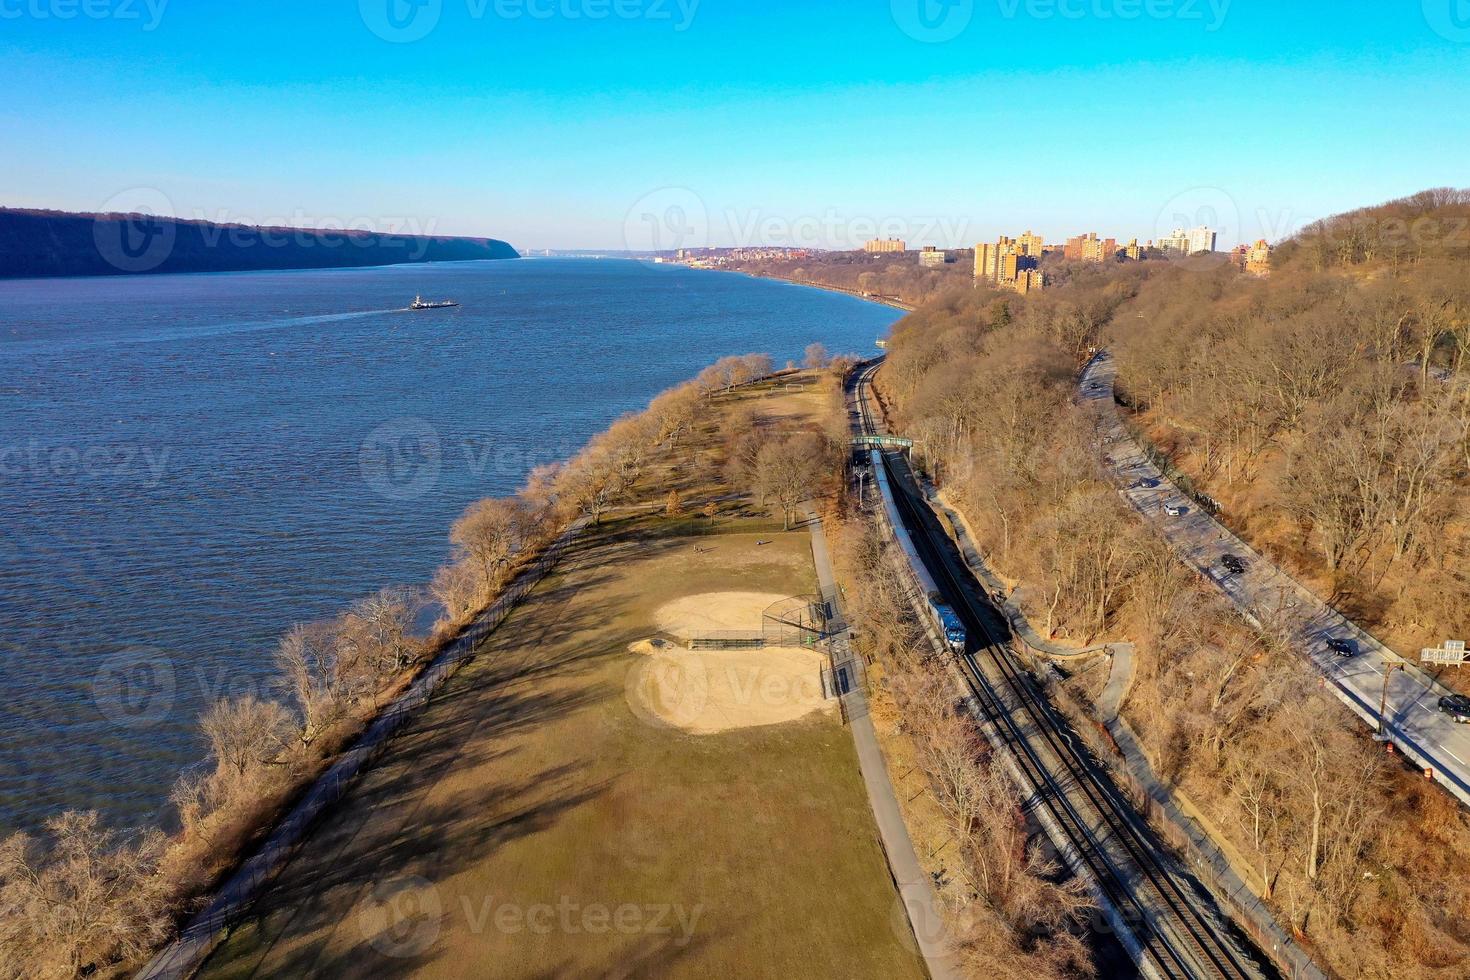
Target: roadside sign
(1453,652)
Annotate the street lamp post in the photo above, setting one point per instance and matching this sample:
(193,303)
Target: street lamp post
(1388,668)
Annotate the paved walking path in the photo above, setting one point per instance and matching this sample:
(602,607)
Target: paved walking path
(1267,594)
(914,886)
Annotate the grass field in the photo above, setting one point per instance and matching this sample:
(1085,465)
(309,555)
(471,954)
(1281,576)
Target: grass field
(529,823)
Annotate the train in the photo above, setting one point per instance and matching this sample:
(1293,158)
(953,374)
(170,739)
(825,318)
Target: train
(948,622)
(940,613)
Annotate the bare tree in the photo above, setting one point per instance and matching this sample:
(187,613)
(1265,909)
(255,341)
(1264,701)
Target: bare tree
(816,357)
(244,733)
(79,899)
(308,663)
(456,587)
(490,533)
(789,470)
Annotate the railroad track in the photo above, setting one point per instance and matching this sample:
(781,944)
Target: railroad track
(1178,928)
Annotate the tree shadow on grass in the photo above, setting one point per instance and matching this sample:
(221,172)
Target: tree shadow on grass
(399,821)
(650,956)
(355,895)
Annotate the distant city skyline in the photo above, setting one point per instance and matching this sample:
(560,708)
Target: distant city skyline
(588,124)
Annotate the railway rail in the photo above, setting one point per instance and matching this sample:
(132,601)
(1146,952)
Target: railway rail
(1180,932)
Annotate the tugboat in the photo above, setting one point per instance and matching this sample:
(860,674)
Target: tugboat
(419,303)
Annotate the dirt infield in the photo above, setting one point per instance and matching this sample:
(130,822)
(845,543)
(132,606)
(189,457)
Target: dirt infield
(693,614)
(706,692)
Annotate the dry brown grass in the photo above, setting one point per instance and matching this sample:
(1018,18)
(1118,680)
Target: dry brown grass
(530,785)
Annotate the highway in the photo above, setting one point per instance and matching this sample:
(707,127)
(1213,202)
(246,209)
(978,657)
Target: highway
(1175,926)
(1268,595)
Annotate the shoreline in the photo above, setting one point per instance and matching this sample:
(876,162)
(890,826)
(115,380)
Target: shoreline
(130,276)
(281,826)
(204,933)
(892,302)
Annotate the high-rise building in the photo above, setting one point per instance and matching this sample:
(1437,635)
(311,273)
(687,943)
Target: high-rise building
(1010,263)
(882,245)
(1090,248)
(1134,251)
(1190,241)
(988,259)
(1202,239)
(1028,280)
(932,258)
(1258,258)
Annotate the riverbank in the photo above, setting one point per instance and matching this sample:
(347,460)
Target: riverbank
(490,839)
(896,280)
(889,301)
(320,457)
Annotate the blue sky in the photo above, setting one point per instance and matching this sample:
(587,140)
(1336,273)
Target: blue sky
(613,123)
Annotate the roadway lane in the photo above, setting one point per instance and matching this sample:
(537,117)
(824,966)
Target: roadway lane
(1266,594)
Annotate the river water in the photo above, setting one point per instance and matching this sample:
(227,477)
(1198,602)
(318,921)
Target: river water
(190,464)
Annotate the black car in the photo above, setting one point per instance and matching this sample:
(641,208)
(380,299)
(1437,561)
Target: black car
(1457,706)
(1233,564)
(1341,647)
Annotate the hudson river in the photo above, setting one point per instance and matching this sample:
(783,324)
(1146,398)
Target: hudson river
(191,464)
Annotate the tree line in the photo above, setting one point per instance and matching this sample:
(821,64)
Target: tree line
(1327,408)
(82,895)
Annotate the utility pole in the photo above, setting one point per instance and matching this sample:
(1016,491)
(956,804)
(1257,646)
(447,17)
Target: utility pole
(1388,668)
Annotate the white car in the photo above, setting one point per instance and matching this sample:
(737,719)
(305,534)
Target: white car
(1174,510)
